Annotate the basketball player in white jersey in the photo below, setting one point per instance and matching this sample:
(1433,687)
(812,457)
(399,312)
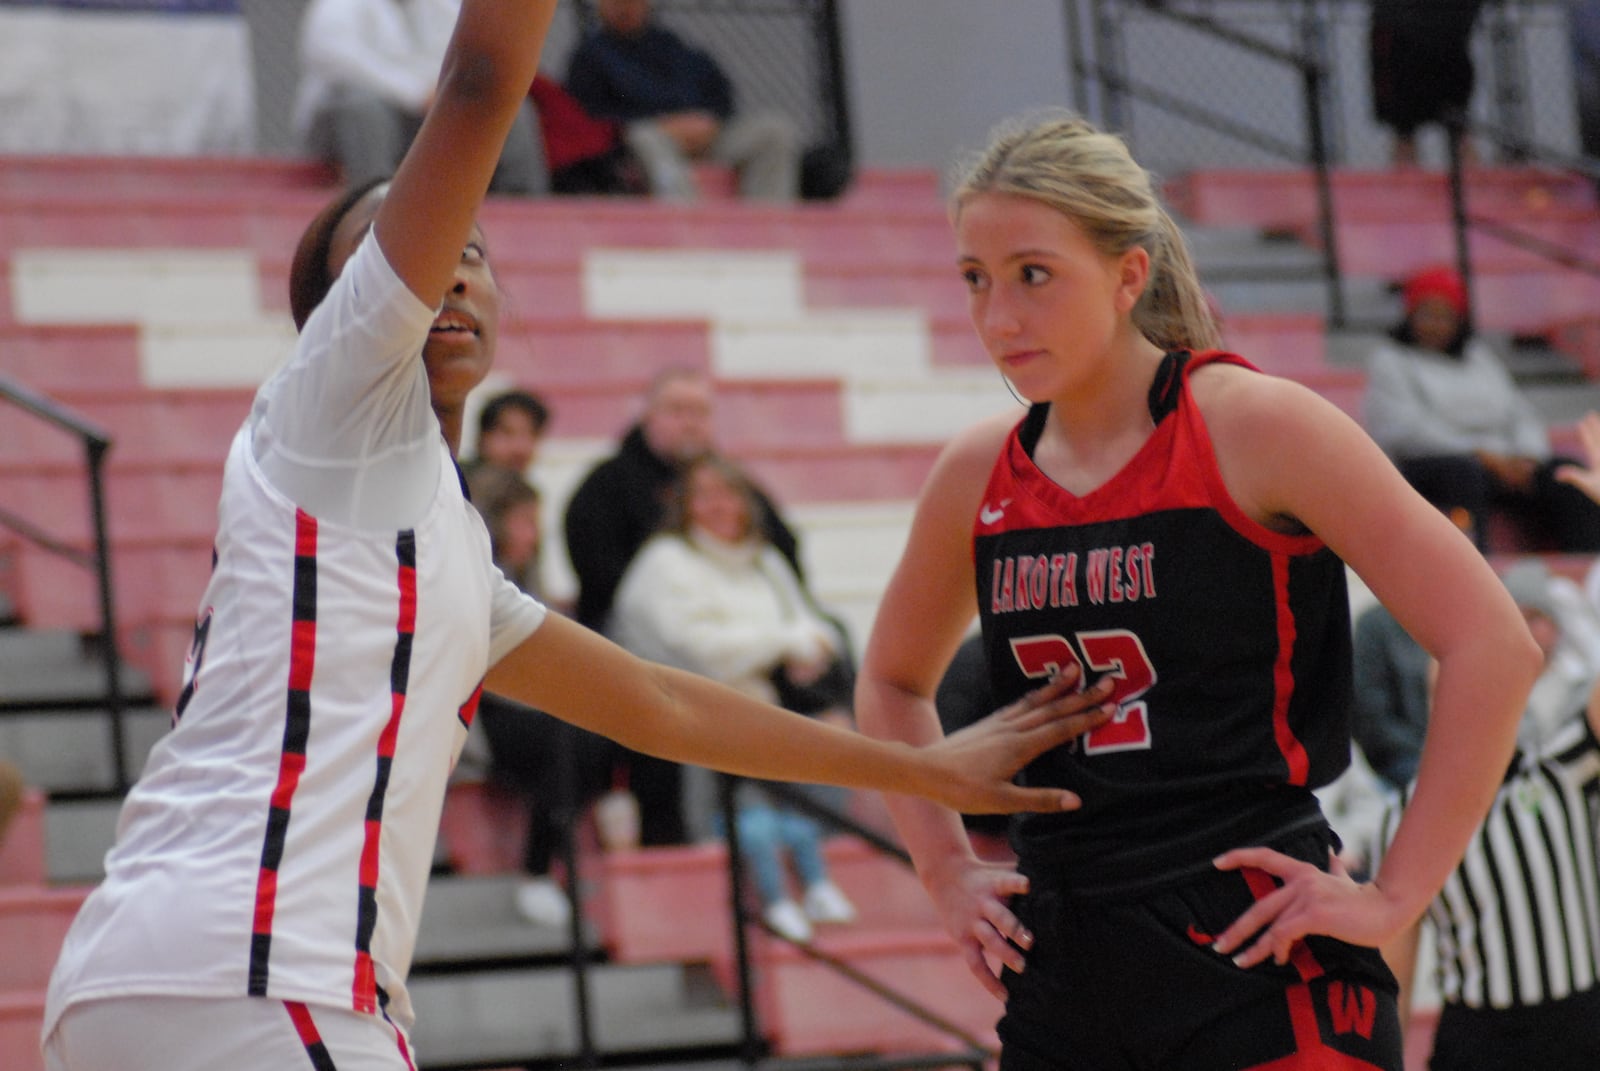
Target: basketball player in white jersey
(261,903)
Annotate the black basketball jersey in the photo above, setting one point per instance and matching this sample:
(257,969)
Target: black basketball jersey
(1230,644)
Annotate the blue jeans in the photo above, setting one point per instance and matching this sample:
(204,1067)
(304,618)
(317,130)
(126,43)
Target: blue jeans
(765,832)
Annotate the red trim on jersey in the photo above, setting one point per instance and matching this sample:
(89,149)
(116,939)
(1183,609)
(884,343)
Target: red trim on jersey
(1294,752)
(469,709)
(364,989)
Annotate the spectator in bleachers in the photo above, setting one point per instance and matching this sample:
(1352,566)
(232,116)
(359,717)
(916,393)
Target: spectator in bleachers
(710,594)
(620,503)
(1389,714)
(1443,405)
(511,428)
(368,73)
(1421,66)
(676,106)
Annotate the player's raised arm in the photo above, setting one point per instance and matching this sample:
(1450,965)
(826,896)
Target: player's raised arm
(428,215)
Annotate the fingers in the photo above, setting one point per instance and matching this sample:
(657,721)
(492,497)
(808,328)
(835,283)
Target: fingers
(1013,799)
(1270,917)
(972,953)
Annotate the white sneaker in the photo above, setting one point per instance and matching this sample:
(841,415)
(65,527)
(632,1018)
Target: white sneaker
(789,921)
(826,902)
(542,902)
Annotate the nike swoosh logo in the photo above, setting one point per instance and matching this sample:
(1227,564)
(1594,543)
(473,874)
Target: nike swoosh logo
(1199,937)
(990,514)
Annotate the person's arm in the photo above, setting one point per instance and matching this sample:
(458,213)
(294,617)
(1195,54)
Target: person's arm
(1291,458)
(428,215)
(581,677)
(921,620)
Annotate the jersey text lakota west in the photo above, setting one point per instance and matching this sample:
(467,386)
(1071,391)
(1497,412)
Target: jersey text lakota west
(1049,582)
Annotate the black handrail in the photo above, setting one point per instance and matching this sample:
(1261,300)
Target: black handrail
(96,444)
(976,1053)
(1314,74)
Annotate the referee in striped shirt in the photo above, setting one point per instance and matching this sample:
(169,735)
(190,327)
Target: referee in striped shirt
(1517,925)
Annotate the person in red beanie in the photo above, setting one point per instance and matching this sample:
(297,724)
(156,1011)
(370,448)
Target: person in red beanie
(1442,404)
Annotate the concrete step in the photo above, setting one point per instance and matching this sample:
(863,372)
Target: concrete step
(474,920)
(70,751)
(528,1015)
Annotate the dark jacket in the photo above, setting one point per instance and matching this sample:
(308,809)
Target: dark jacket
(617,507)
(650,74)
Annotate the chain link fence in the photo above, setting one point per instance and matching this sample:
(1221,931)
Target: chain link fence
(783,55)
(1195,83)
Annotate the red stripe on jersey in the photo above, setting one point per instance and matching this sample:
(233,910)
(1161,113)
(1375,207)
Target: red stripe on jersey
(1294,752)
(310,1036)
(469,709)
(266,898)
(290,766)
(408,599)
(302,654)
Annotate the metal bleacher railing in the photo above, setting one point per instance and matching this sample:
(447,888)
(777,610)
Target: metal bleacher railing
(96,444)
(1278,82)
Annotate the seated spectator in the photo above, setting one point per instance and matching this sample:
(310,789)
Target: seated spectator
(535,756)
(620,504)
(368,70)
(676,106)
(1444,407)
(1517,925)
(1389,716)
(710,594)
(511,428)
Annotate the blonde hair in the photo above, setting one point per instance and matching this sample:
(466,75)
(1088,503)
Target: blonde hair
(1088,175)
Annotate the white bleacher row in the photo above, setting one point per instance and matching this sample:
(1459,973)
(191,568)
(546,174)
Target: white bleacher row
(201,325)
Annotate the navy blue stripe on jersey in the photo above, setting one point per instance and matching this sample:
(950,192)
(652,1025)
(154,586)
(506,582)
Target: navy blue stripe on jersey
(365,992)
(296,733)
(310,1037)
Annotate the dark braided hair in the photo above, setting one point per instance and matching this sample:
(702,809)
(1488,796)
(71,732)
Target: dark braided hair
(309,277)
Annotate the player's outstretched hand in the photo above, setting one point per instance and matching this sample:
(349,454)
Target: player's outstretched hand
(1308,900)
(980,760)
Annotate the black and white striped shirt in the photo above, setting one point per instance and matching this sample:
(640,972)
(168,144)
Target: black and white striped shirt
(1518,922)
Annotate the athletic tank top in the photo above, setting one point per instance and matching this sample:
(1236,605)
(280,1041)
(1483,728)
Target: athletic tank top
(1230,644)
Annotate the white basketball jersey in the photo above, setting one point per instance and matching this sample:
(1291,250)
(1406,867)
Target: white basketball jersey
(280,839)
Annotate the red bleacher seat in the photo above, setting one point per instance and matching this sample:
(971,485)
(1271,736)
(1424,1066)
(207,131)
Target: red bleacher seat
(21,1019)
(33,923)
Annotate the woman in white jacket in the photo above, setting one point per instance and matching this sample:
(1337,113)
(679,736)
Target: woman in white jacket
(709,594)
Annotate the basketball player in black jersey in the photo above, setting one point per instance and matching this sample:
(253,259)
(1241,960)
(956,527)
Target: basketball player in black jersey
(1167,518)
